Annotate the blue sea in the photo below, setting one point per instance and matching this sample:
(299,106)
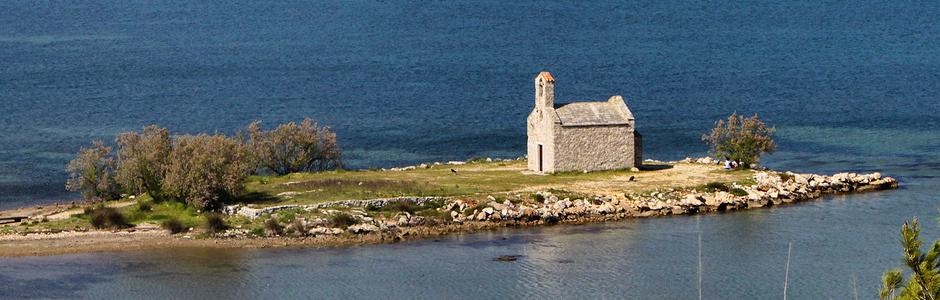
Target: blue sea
(849,86)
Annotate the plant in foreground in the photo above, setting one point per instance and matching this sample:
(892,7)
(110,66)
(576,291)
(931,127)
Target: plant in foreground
(924,280)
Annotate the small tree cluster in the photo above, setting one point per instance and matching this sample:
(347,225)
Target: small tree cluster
(293,147)
(742,139)
(92,173)
(202,170)
(924,280)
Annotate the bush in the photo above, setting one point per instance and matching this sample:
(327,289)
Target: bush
(342,220)
(273,227)
(738,192)
(107,217)
(172,225)
(740,139)
(144,206)
(402,206)
(142,160)
(215,223)
(296,227)
(295,148)
(207,170)
(716,187)
(538,197)
(92,173)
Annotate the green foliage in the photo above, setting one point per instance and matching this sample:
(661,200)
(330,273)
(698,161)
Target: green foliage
(293,147)
(172,225)
(715,187)
(742,139)
(144,206)
(738,192)
(538,197)
(924,280)
(106,217)
(142,160)
(92,173)
(215,223)
(402,206)
(342,220)
(207,170)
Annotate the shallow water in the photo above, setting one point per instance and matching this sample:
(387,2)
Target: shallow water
(850,86)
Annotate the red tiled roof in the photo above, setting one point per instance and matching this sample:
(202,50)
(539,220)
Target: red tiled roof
(548,76)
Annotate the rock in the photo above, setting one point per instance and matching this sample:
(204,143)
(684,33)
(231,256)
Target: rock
(692,200)
(507,258)
(707,161)
(634,169)
(488,211)
(363,228)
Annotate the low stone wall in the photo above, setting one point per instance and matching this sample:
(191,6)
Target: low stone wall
(257,212)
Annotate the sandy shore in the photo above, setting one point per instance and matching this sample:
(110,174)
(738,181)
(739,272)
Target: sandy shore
(45,244)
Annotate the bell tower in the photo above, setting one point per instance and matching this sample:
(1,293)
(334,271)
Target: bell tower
(544,90)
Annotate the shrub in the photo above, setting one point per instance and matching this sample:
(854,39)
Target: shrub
(207,170)
(144,206)
(295,148)
(172,225)
(142,160)
(342,220)
(740,139)
(215,223)
(296,227)
(785,176)
(273,227)
(716,187)
(92,173)
(538,197)
(738,192)
(107,217)
(402,206)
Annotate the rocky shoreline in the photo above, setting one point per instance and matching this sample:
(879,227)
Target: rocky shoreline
(375,222)
(770,188)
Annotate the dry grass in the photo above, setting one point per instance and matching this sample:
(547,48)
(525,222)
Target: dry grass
(478,178)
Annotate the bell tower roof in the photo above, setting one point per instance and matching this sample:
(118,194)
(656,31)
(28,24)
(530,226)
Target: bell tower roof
(547,76)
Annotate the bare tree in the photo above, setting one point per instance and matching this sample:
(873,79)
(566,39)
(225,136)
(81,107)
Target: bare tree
(207,170)
(741,139)
(142,160)
(295,148)
(92,173)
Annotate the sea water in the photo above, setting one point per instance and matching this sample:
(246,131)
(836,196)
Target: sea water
(849,86)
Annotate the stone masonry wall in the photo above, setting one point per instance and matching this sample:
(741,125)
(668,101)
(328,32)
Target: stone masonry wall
(594,148)
(540,126)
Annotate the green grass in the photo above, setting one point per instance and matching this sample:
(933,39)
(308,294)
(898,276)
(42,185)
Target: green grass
(473,182)
(161,211)
(439,181)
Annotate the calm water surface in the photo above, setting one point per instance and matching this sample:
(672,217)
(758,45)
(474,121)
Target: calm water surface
(850,86)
